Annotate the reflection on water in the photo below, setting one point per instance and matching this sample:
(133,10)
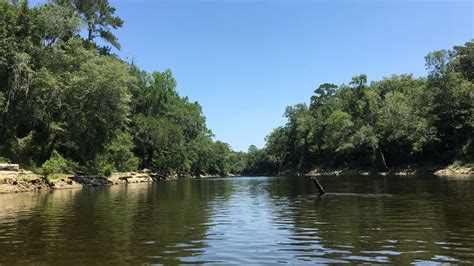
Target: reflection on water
(244,220)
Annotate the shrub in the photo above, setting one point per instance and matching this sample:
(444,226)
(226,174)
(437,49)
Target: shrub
(55,165)
(107,170)
(4,160)
(460,164)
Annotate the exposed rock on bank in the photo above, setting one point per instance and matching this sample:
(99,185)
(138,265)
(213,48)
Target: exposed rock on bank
(399,172)
(210,176)
(455,171)
(14,179)
(66,181)
(9,167)
(99,180)
(133,177)
(18,180)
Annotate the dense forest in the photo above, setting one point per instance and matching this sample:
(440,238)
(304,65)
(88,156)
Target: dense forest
(68,104)
(399,121)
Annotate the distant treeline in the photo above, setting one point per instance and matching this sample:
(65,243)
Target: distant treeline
(68,104)
(395,122)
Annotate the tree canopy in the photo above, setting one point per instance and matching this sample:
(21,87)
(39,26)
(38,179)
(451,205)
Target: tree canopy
(67,101)
(398,121)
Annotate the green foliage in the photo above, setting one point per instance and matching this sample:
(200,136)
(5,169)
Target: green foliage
(98,99)
(67,104)
(260,162)
(64,99)
(98,18)
(2,100)
(397,121)
(107,170)
(57,22)
(55,165)
(118,155)
(339,128)
(170,132)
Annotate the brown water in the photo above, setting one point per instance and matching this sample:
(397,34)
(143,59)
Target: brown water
(244,220)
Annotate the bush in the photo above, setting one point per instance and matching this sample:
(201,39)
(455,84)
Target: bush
(4,160)
(55,165)
(107,170)
(460,164)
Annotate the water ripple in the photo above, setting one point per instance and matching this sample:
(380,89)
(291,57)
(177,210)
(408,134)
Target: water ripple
(250,220)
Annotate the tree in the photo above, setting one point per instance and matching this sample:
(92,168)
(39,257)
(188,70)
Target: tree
(276,147)
(118,153)
(98,17)
(57,22)
(339,129)
(396,121)
(98,103)
(452,104)
(61,98)
(402,120)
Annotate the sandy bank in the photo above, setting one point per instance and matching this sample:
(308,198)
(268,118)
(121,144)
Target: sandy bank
(19,180)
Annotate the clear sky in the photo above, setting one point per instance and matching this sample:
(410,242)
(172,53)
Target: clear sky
(245,61)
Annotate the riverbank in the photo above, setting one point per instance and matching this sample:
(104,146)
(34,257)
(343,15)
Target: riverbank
(406,171)
(16,180)
(24,181)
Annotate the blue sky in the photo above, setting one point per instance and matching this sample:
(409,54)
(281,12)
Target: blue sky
(245,61)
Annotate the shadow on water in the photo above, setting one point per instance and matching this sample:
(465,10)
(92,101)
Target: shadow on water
(244,220)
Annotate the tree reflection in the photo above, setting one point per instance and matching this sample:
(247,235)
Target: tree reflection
(154,223)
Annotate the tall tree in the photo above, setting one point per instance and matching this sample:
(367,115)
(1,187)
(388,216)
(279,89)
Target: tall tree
(99,18)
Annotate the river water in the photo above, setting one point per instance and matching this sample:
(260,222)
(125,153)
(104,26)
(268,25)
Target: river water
(244,220)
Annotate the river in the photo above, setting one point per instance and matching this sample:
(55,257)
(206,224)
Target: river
(244,220)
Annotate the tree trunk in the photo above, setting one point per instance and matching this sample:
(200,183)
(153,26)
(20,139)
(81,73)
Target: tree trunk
(280,166)
(149,158)
(381,157)
(457,154)
(90,35)
(302,156)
